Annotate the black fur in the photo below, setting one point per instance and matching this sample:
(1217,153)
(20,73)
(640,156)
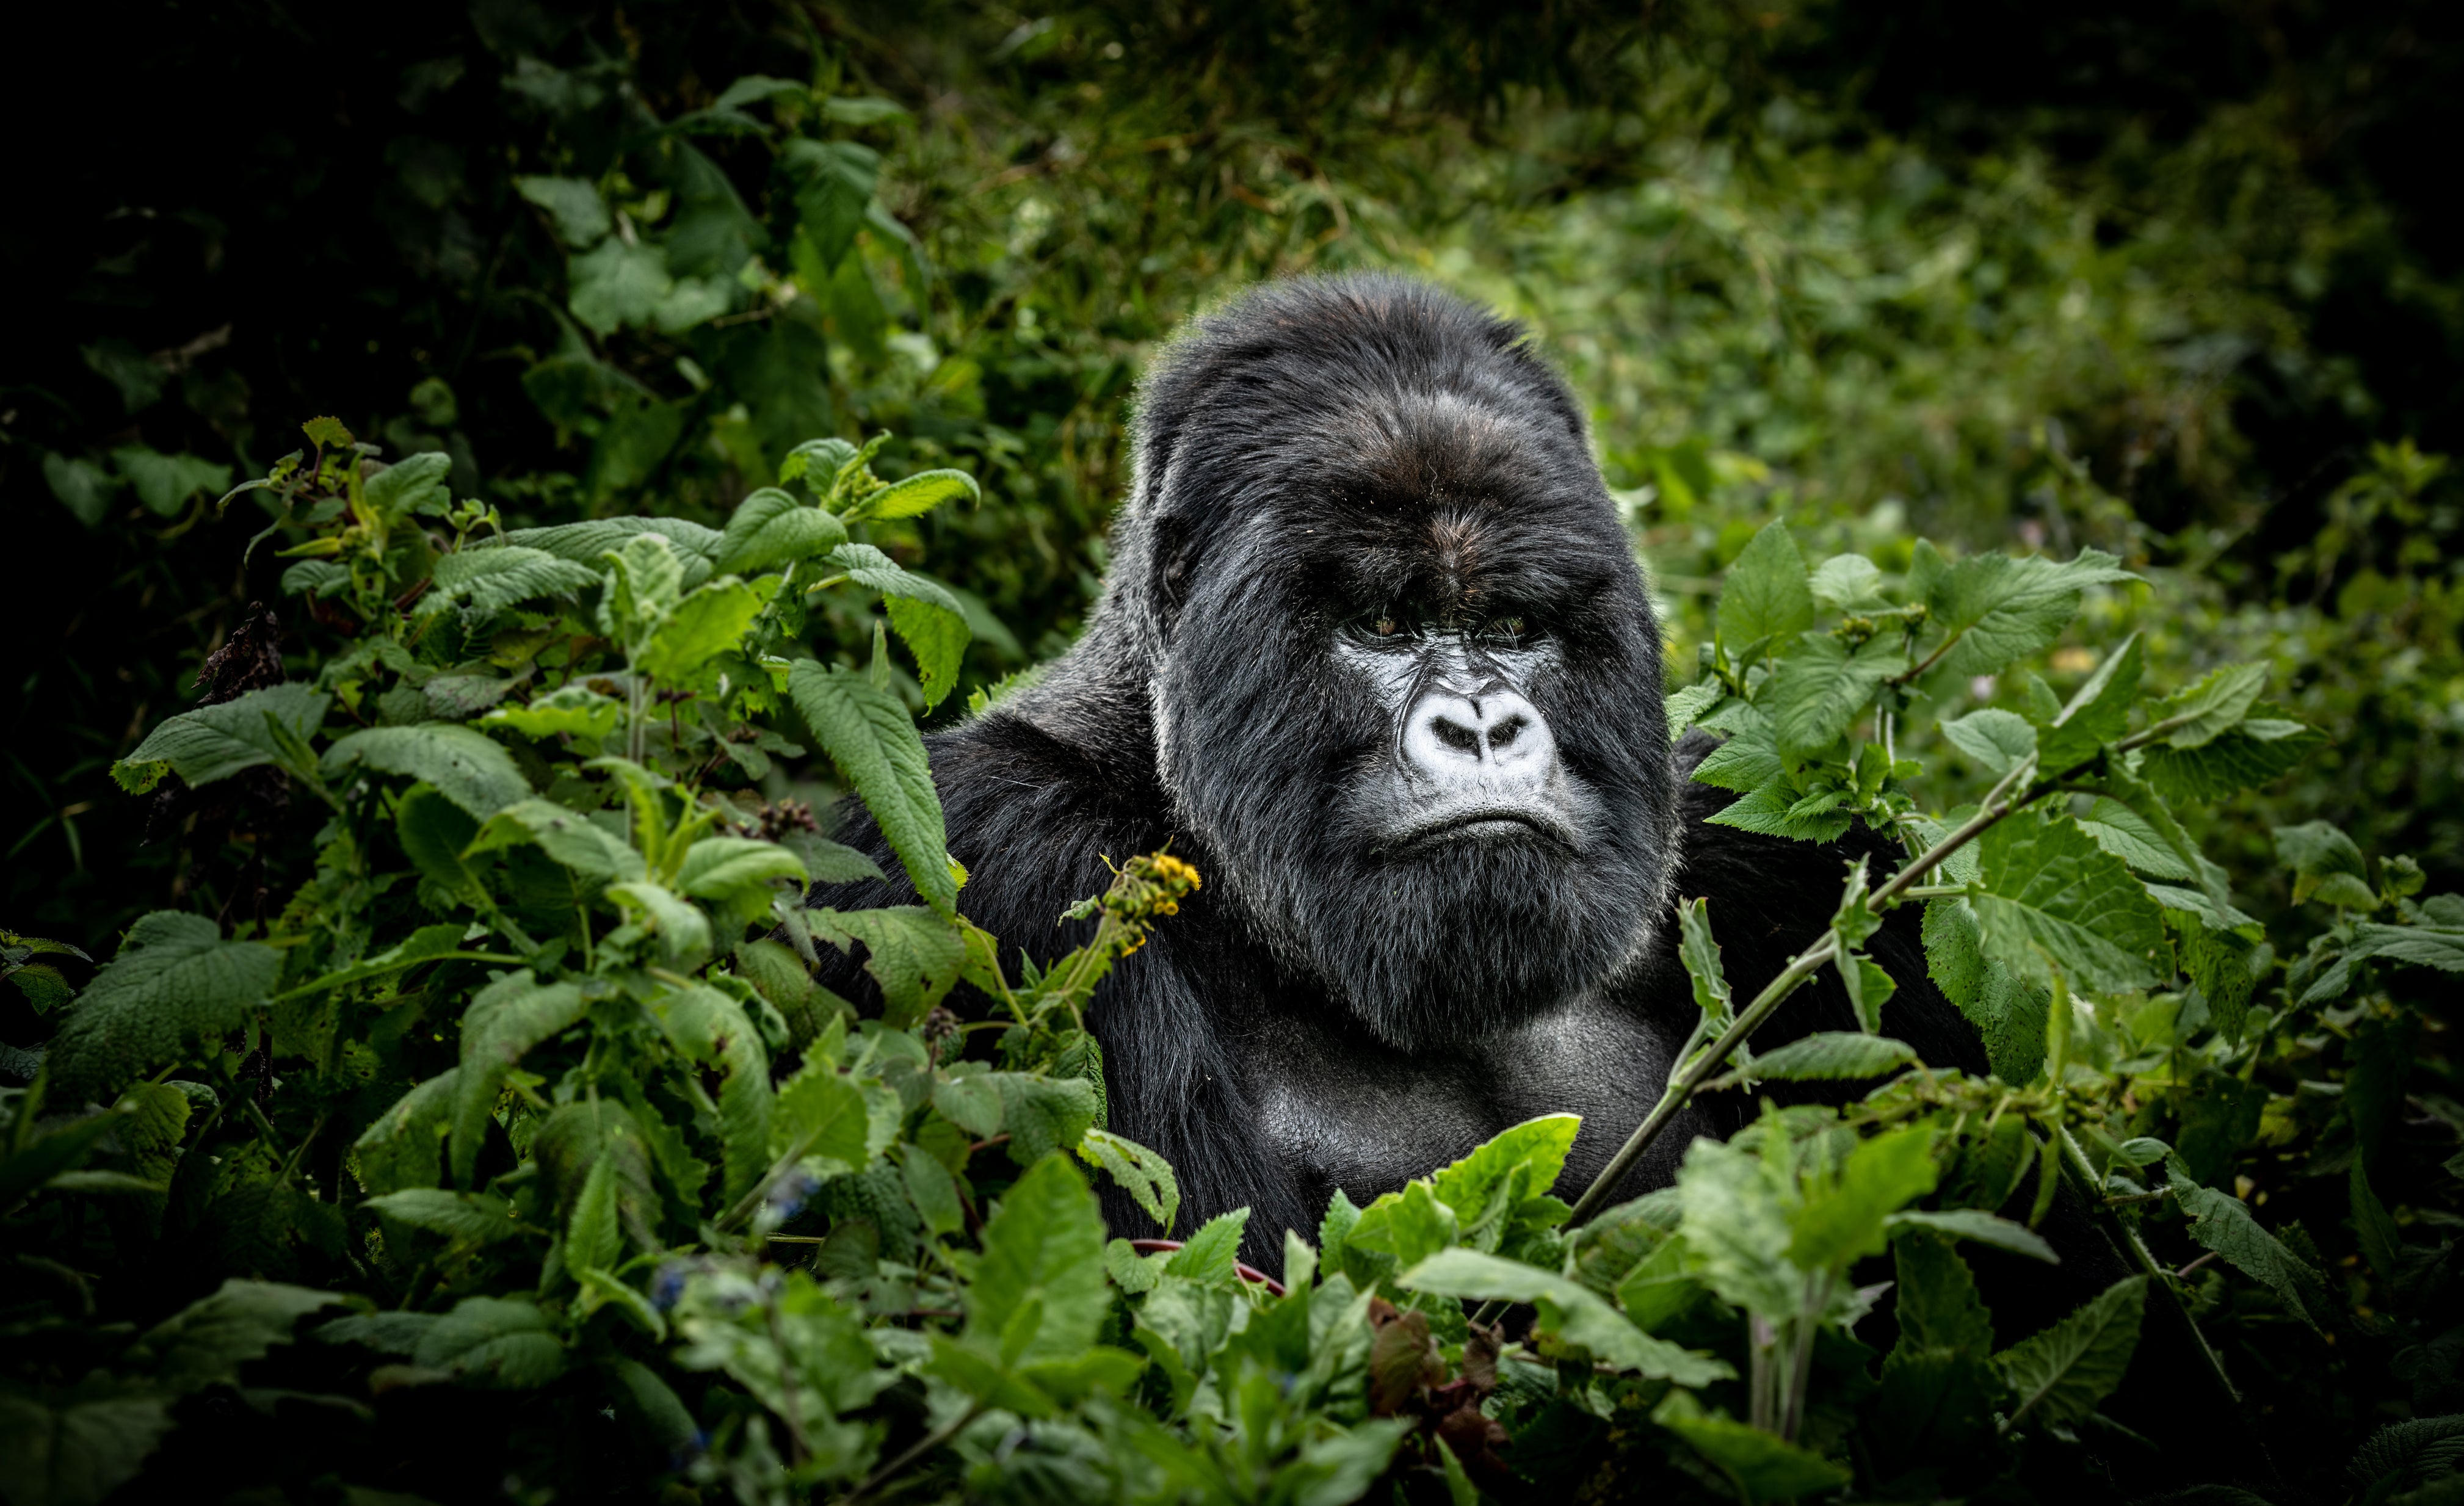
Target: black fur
(1322,1014)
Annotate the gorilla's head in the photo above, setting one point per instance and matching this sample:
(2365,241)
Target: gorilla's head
(1404,678)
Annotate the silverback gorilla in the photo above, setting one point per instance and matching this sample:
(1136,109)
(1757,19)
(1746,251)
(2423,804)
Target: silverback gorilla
(1375,656)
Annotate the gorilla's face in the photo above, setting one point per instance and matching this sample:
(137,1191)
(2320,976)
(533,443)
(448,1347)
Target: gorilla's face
(1411,704)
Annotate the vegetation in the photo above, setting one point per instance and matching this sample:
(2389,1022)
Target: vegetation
(453,1113)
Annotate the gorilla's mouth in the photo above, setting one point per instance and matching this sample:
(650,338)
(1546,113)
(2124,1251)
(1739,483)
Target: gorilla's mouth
(1482,824)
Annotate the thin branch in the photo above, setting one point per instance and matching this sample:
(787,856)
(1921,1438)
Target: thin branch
(925,1445)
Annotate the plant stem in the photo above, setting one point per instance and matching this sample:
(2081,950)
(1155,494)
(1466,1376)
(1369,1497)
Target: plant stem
(923,1446)
(2162,1276)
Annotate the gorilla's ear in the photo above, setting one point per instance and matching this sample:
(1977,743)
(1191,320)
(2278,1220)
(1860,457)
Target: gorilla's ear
(1176,567)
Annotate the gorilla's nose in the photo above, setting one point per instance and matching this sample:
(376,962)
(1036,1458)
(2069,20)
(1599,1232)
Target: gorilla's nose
(1493,740)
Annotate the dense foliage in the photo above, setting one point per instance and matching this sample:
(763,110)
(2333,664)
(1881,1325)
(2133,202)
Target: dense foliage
(452,1114)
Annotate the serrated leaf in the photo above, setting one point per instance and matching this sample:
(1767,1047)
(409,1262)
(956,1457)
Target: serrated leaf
(2440,947)
(400,1148)
(2007,1010)
(938,640)
(214,742)
(1767,593)
(77,1453)
(2320,854)
(1501,1190)
(696,547)
(1936,1300)
(1996,609)
(1819,690)
(1845,1220)
(2096,713)
(465,1218)
(711,1028)
(1764,1466)
(2052,895)
(572,709)
(704,624)
(2220,1222)
(1567,1311)
(1039,1291)
(919,493)
(1997,739)
(2214,705)
(2057,1377)
(1681,707)
(914,953)
(1824,1056)
(681,926)
(573,204)
(489,580)
(1209,1256)
(1986,1229)
(2129,835)
(567,836)
(1146,1176)
(2409,1453)
(720,867)
(1043,1114)
(492,1342)
(770,529)
(1701,954)
(206,1343)
(1771,814)
(821,1112)
(504,1020)
(465,766)
(869,734)
(2261,750)
(175,984)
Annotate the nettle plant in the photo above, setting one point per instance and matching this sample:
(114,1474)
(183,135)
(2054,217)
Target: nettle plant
(530,1079)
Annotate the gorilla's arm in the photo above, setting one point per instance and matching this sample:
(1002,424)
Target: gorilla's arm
(1033,817)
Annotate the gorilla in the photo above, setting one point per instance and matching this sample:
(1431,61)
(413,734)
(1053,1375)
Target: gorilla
(1375,657)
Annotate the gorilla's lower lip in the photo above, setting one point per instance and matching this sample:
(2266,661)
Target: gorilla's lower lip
(1475,824)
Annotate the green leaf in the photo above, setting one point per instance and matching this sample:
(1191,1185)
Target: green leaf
(867,733)
(489,580)
(821,1113)
(77,1453)
(206,1343)
(1996,609)
(2213,706)
(463,1218)
(704,624)
(938,640)
(214,742)
(2409,1453)
(1938,1306)
(572,709)
(1995,738)
(163,482)
(589,543)
(1146,1176)
(618,284)
(1568,1310)
(721,867)
(2220,1222)
(505,1019)
(573,204)
(1749,759)
(1736,1228)
(2052,895)
(465,766)
(175,986)
(1502,1187)
(2096,713)
(1846,1220)
(1208,1256)
(2058,1376)
(2007,1010)
(1767,594)
(1826,1055)
(1039,1291)
(1760,1466)
(2261,750)
(84,487)
(932,1188)
(919,493)
(711,1028)
(400,1150)
(1683,706)
(681,926)
(1822,688)
(414,484)
(2440,947)
(2381,1243)
(2133,839)
(770,528)
(1701,954)
(2325,863)
(914,953)
(571,838)
(1043,1114)
(492,1342)
(1986,1229)
(591,1240)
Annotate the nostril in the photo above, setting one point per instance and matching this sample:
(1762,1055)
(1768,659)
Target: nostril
(1455,736)
(1502,736)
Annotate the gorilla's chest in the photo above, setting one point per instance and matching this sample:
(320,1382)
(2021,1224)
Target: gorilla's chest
(1341,1110)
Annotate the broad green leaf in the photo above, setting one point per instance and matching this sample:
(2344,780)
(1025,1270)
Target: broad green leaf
(2265,747)
(492,1342)
(206,1343)
(1767,594)
(175,985)
(1822,1057)
(1039,1290)
(2325,863)
(591,1239)
(1043,1114)
(489,580)
(867,733)
(589,543)
(819,1112)
(463,1218)
(1848,584)
(1996,609)
(80,1452)
(214,742)
(1845,1220)
(770,529)
(2057,1376)
(573,710)
(164,483)
(1567,1310)
(2007,1009)
(2213,706)
(2096,713)
(1986,1229)
(1146,1176)
(1771,812)
(914,953)
(718,867)
(2052,896)
(1683,706)
(569,837)
(1761,1466)
(400,1150)
(573,204)
(1937,1302)
(2381,1242)
(1502,1185)
(618,284)
(1408,1226)
(680,924)
(504,1020)
(1749,759)
(919,493)
(1208,1256)
(465,766)
(932,1188)
(414,484)
(2440,947)
(1995,738)
(434,833)
(701,627)
(2220,1222)
(938,640)
(2130,837)
(711,1028)
(1822,688)
(2411,1453)
(1701,954)
(1659,1289)
(1736,1228)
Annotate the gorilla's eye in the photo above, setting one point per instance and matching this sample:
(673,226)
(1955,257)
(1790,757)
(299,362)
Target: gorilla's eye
(1511,629)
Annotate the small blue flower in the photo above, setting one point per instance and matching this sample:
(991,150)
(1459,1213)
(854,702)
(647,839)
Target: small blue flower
(787,1194)
(669,1284)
